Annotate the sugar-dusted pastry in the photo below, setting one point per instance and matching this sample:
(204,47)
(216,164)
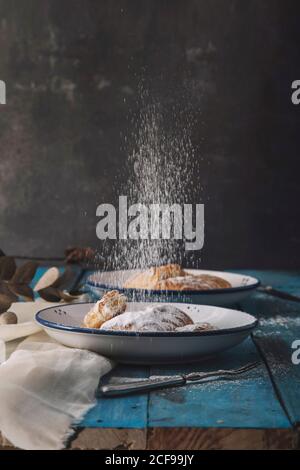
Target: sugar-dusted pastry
(167,271)
(148,279)
(198,327)
(112,303)
(157,318)
(173,277)
(141,280)
(192,282)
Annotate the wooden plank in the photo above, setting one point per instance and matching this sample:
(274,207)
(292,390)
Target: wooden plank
(275,345)
(221,439)
(279,327)
(113,439)
(100,438)
(128,412)
(249,402)
(179,439)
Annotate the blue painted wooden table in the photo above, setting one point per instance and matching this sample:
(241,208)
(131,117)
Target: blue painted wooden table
(260,410)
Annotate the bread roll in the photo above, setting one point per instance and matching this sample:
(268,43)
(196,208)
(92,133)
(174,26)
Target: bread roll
(173,277)
(112,303)
(158,318)
(191,282)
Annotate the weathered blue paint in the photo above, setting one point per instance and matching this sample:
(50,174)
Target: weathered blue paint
(130,412)
(247,402)
(288,281)
(279,327)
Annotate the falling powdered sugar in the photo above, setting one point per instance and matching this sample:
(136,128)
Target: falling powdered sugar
(280,321)
(161,168)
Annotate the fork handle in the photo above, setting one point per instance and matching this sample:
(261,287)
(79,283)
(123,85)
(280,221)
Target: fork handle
(278,293)
(145,385)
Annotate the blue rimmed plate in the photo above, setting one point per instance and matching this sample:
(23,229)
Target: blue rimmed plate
(63,323)
(242,285)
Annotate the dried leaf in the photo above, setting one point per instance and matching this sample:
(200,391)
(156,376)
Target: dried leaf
(67,296)
(25,273)
(21,289)
(77,254)
(47,279)
(51,294)
(5,303)
(77,291)
(7,267)
(4,289)
(65,281)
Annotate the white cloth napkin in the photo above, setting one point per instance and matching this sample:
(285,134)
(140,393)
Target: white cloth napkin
(45,387)
(26,325)
(11,335)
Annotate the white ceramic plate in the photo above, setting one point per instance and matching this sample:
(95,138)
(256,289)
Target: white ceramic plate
(63,323)
(242,286)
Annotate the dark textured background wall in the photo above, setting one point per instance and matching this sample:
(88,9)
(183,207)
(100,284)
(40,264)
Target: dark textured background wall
(72,69)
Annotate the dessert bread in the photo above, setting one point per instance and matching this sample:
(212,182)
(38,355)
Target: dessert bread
(112,303)
(173,277)
(158,318)
(191,282)
(149,279)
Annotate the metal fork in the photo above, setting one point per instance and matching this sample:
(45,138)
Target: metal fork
(155,383)
(278,293)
